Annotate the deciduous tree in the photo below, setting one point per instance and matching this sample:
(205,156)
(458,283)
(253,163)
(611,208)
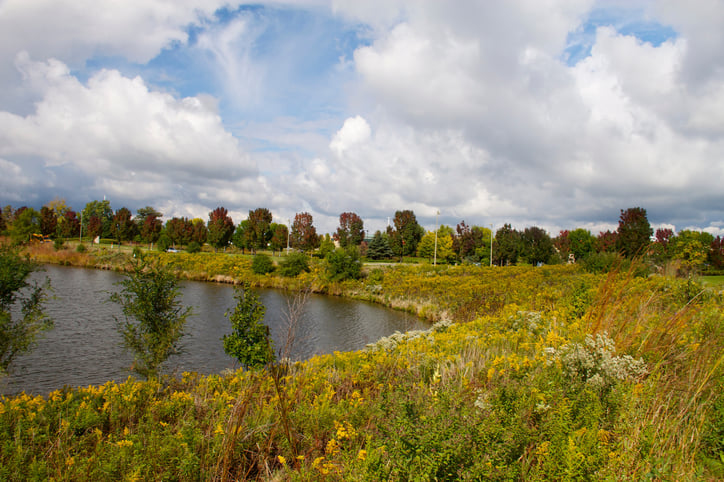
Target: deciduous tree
(249,341)
(48,221)
(536,246)
(221,228)
(21,307)
(154,317)
(104,214)
(123,228)
(351,230)
(582,243)
(304,234)
(408,232)
(257,232)
(507,246)
(634,232)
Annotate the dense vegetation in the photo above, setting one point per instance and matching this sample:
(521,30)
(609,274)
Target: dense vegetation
(529,373)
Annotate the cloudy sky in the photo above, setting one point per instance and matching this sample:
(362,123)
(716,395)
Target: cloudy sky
(554,113)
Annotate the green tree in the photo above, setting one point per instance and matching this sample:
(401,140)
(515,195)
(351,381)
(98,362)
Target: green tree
(69,225)
(326,246)
(102,211)
(239,238)
(151,228)
(221,228)
(249,342)
(379,247)
(21,315)
(692,248)
(154,317)
(426,247)
(634,232)
(581,242)
(26,222)
(407,233)
(507,246)
(536,246)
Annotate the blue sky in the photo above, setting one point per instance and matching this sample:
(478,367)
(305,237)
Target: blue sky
(556,115)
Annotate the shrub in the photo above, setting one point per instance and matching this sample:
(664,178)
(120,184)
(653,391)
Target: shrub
(294,264)
(193,247)
(164,242)
(81,248)
(344,264)
(58,244)
(249,342)
(262,264)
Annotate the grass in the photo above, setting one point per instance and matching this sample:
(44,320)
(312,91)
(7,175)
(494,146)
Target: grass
(712,281)
(529,374)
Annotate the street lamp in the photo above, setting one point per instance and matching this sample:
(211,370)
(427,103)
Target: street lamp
(434,259)
(289,229)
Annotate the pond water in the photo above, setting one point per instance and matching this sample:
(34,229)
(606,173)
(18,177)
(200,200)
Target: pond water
(84,347)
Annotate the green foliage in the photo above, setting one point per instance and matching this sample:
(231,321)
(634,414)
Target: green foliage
(294,264)
(262,264)
(582,243)
(81,248)
(379,247)
(154,317)
(164,242)
(344,263)
(326,246)
(21,314)
(193,247)
(249,341)
(220,228)
(58,244)
(26,223)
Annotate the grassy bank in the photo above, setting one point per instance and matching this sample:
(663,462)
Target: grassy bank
(531,374)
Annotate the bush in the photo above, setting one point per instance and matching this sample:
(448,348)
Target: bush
(58,244)
(262,264)
(294,264)
(344,264)
(193,247)
(81,248)
(164,242)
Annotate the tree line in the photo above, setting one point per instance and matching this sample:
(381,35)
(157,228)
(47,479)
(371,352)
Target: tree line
(693,250)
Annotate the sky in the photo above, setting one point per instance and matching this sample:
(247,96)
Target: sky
(549,113)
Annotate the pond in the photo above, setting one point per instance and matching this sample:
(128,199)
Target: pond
(84,347)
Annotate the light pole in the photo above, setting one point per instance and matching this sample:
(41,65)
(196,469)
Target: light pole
(80,237)
(434,259)
(491,245)
(289,230)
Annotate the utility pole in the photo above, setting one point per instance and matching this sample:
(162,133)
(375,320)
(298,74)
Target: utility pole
(491,244)
(434,259)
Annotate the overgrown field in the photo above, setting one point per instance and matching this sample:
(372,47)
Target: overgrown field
(529,374)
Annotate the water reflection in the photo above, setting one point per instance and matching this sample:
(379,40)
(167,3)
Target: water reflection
(84,347)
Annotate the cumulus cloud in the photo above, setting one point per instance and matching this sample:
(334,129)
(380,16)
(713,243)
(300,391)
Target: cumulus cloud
(130,140)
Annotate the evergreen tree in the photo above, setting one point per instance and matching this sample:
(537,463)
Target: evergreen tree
(379,247)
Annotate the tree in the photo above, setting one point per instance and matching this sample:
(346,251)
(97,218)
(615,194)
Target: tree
(692,248)
(606,241)
(536,246)
(468,241)
(123,228)
(351,230)
(408,232)
(151,228)
(143,213)
(199,232)
(103,213)
(221,228)
(69,225)
(508,246)
(634,232)
(304,234)
(279,237)
(262,264)
(26,222)
(48,221)
(257,232)
(249,342)
(582,243)
(154,317)
(239,238)
(21,315)
(379,247)
(716,253)
(326,246)
(426,246)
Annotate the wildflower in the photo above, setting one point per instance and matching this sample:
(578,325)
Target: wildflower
(282,460)
(362,455)
(332,447)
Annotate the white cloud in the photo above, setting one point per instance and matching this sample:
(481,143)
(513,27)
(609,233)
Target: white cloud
(354,131)
(137,143)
